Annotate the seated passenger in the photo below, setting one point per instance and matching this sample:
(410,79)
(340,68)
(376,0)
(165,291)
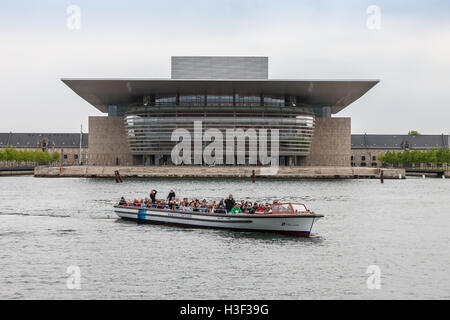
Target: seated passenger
(236,209)
(253,209)
(196,207)
(261,208)
(122,202)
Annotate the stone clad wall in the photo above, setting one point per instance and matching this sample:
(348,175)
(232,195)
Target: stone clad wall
(219,172)
(331,145)
(107,142)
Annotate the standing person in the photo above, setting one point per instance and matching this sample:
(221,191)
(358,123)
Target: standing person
(153,195)
(229,203)
(171,195)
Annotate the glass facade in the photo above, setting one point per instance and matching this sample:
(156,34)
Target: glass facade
(149,128)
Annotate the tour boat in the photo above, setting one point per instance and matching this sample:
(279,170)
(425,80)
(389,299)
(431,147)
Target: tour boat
(287,218)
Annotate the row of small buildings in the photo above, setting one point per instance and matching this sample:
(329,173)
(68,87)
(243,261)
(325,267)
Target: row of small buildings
(66,144)
(365,148)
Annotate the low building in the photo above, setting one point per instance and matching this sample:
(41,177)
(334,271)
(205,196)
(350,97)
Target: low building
(66,144)
(366,148)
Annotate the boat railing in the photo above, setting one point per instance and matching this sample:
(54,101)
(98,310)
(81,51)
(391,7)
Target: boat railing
(279,208)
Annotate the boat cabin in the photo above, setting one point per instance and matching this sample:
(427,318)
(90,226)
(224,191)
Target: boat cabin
(289,208)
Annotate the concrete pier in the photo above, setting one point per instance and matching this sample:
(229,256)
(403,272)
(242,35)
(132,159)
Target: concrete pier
(219,172)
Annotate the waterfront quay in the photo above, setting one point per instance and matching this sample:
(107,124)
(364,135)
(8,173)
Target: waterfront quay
(220,172)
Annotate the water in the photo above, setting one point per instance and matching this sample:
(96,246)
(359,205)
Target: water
(47,225)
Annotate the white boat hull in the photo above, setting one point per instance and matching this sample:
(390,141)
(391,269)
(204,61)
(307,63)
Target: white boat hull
(292,224)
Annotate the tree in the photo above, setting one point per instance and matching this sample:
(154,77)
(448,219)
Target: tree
(55,157)
(381,158)
(11,154)
(413,133)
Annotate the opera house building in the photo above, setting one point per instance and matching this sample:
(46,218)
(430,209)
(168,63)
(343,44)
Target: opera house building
(223,93)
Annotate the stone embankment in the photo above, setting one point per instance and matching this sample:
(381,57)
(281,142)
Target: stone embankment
(220,172)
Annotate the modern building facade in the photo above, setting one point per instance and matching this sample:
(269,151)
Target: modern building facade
(222,93)
(68,145)
(367,148)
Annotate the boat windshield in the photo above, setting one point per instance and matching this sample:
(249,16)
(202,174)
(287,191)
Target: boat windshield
(299,208)
(284,207)
(289,208)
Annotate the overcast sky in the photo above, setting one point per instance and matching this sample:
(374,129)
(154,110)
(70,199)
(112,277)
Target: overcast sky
(327,39)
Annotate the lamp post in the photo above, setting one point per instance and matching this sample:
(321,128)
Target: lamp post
(81,140)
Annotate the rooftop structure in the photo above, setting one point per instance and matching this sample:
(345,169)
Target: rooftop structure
(385,141)
(35,140)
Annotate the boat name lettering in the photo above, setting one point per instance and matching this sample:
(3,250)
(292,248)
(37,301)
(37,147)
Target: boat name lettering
(285,224)
(180,215)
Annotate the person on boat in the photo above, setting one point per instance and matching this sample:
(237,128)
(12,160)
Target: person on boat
(162,204)
(236,209)
(204,206)
(246,207)
(261,208)
(253,209)
(184,206)
(136,203)
(171,195)
(122,202)
(153,195)
(229,203)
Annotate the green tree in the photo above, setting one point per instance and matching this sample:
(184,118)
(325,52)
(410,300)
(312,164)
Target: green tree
(55,156)
(413,133)
(381,158)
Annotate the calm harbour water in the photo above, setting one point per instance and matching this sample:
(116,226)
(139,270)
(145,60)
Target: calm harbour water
(47,225)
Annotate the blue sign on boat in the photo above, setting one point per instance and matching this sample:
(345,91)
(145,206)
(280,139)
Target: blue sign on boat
(141,214)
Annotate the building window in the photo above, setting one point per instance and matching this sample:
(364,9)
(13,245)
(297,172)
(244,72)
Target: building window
(65,156)
(248,100)
(219,100)
(374,158)
(363,158)
(165,100)
(193,100)
(352,158)
(363,164)
(75,157)
(274,101)
(374,164)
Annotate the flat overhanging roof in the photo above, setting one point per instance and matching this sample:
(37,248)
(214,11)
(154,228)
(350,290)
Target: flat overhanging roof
(337,94)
